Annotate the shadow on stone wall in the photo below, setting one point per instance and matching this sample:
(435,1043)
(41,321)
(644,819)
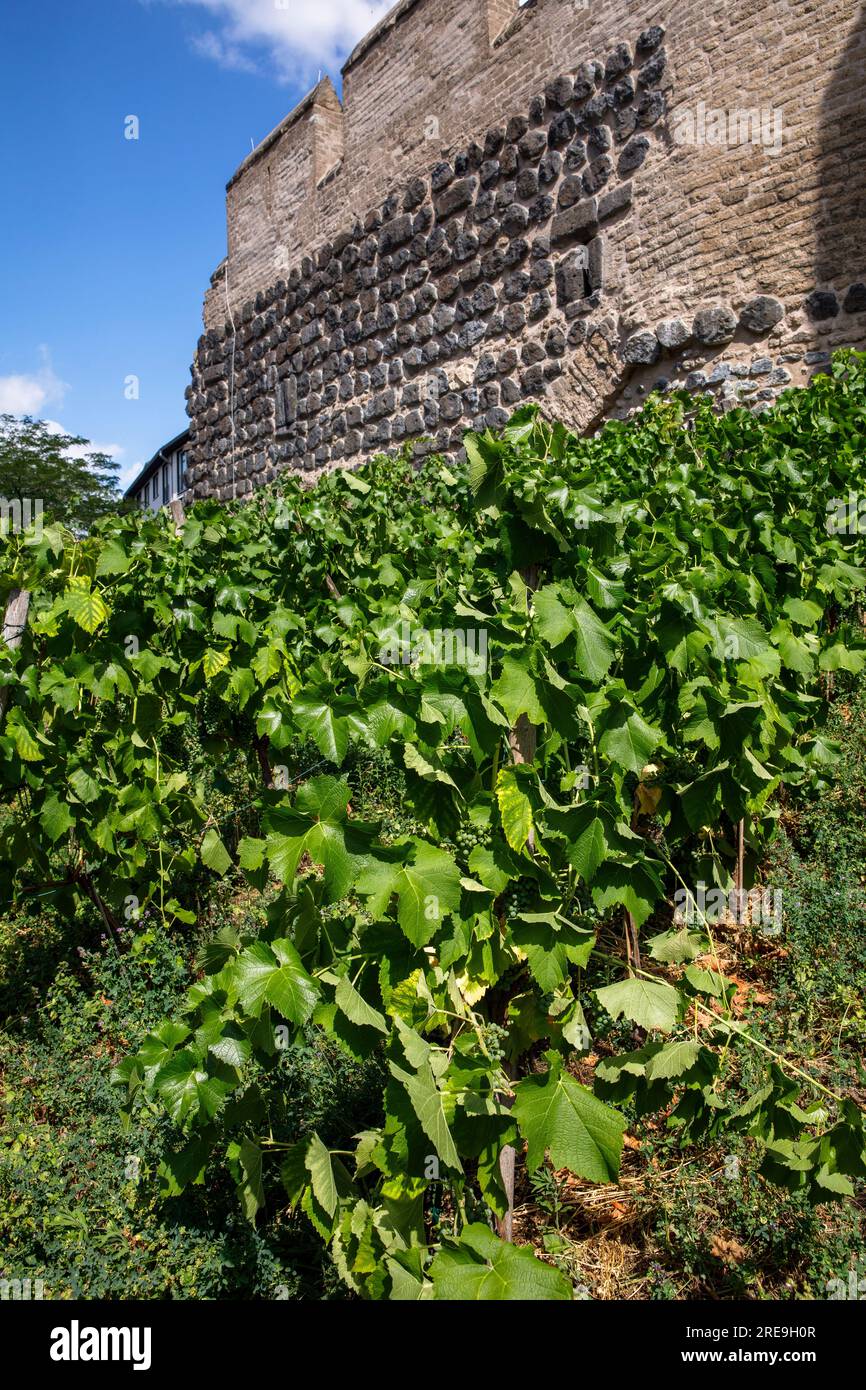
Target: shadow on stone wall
(840,231)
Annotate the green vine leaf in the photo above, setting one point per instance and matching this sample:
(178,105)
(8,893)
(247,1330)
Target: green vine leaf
(85,606)
(485,1269)
(557,1115)
(426,1099)
(187,1090)
(273,974)
(426,881)
(356,1008)
(648,1003)
(515,808)
(214,854)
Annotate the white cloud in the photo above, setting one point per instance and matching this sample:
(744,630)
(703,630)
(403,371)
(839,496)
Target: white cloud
(297,37)
(128,475)
(27,394)
(210,45)
(80,451)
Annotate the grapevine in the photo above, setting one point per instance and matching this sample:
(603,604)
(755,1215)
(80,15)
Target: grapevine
(662,606)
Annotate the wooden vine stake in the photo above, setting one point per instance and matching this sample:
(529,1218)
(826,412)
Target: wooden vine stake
(741,836)
(14,624)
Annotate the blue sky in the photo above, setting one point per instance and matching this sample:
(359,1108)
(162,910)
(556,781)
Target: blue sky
(107,244)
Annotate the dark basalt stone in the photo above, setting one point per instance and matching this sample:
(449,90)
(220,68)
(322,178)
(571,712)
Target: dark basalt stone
(515,286)
(822,304)
(575,155)
(633,155)
(650,109)
(617,62)
(456,197)
(595,108)
(598,140)
(550,167)
(673,334)
(650,38)
(540,209)
(441,176)
(714,326)
(527,183)
(571,276)
(541,274)
(465,246)
(561,129)
(651,73)
(532,380)
(486,369)
(444,317)
(642,349)
(623,92)
(570,192)
(855,300)
(597,175)
(595,266)
(515,253)
(472,333)
(514,318)
(510,392)
(555,343)
(509,162)
(761,314)
(506,195)
(559,92)
(515,220)
(515,129)
(416,192)
(493,142)
(533,144)
(485,206)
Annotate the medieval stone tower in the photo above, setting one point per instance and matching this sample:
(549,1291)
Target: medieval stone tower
(568,201)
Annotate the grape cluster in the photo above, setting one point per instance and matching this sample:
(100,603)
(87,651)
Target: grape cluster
(211,714)
(493,1040)
(518,897)
(467,837)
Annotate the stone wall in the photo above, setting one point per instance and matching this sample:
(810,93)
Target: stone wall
(565,203)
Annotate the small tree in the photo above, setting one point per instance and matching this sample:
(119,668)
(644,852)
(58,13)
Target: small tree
(36,463)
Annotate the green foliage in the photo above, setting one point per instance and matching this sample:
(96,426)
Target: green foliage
(75,489)
(81,1193)
(670,666)
(484,1268)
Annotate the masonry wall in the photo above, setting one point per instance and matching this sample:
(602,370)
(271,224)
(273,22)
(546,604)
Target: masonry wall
(567,204)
